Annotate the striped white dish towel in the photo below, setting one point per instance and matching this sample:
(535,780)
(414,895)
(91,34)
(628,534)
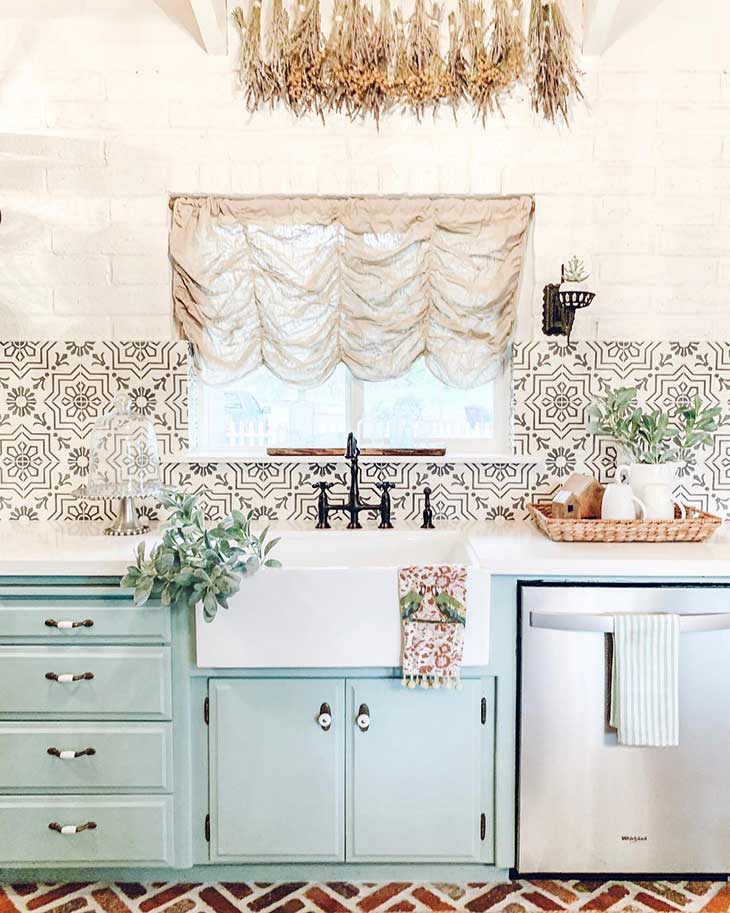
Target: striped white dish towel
(645,680)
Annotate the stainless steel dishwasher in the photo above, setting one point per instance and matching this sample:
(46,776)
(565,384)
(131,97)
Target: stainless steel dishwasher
(587,804)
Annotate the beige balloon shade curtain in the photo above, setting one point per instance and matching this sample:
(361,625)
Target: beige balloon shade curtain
(300,284)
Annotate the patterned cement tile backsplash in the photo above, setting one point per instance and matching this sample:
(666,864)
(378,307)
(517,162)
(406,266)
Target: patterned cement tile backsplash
(555,383)
(51,393)
(283,491)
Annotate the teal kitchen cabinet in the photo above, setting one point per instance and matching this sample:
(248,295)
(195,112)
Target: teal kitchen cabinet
(415,784)
(420,778)
(277,770)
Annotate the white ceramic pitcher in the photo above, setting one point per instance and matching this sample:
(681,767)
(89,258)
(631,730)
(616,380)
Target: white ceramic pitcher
(619,501)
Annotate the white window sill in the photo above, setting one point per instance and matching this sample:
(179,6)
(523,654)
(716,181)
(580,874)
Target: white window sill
(253,457)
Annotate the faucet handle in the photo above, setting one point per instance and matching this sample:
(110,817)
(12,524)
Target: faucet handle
(323,503)
(427,511)
(353,451)
(385,517)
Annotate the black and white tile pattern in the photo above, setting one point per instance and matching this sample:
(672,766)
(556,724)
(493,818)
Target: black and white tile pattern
(51,393)
(555,383)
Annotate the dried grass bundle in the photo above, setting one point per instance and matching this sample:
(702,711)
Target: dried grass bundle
(336,57)
(420,67)
(278,52)
(507,44)
(555,77)
(255,77)
(357,62)
(484,78)
(384,51)
(455,84)
(305,86)
(369,64)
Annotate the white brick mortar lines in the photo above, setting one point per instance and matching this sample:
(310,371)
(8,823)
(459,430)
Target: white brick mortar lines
(106,110)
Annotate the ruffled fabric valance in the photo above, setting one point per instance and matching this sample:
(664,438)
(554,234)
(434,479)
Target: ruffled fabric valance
(301,284)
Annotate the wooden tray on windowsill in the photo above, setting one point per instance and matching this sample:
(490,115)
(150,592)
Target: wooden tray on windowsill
(697,526)
(365,451)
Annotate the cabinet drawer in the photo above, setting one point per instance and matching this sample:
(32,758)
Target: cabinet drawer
(77,619)
(96,756)
(134,829)
(127,682)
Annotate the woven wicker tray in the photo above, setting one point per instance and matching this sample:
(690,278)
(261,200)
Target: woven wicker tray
(696,527)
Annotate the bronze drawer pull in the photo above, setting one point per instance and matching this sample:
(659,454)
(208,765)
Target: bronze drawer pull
(71,828)
(86,623)
(68,677)
(70,755)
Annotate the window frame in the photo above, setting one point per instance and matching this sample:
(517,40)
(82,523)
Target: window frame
(202,427)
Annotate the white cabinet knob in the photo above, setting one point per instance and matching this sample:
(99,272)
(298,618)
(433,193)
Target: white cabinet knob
(324,717)
(363,718)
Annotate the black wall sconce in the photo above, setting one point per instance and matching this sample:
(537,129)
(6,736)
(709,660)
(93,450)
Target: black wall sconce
(560,301)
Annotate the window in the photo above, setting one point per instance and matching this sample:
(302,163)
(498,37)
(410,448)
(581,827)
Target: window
(307,282)
(416,410)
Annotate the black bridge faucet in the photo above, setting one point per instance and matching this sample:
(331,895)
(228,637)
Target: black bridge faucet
(354,505)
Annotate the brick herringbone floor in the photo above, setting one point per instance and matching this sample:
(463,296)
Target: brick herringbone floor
(391,897)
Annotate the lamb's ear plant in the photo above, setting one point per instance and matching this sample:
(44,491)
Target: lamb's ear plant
(198,564)
(652,437)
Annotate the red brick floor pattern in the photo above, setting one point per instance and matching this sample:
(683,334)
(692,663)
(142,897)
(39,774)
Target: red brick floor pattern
(391,897)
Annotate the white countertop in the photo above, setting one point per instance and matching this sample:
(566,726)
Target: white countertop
(503,548)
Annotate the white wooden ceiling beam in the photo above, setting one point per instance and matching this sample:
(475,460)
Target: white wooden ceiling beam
(599,17)
(211,17)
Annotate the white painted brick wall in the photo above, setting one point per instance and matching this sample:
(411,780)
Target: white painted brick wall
(106,109)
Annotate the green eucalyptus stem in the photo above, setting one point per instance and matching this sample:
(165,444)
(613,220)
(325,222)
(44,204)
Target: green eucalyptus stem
(195,564)
(650,437)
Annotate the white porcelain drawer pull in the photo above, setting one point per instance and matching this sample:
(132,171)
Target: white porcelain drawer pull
(71,828)
(69,755)
(65,677)
(66,625)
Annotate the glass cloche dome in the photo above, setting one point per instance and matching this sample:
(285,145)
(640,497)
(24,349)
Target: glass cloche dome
(124,463)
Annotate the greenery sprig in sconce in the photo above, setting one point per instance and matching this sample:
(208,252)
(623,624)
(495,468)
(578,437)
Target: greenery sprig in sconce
(560,301)
(370,64)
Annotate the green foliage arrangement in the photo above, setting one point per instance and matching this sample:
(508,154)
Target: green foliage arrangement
(651,437)
(198,564)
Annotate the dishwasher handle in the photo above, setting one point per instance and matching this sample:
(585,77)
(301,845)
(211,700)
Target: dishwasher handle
(603,624)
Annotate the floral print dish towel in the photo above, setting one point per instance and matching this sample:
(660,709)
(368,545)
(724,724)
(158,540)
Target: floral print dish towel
(433,618)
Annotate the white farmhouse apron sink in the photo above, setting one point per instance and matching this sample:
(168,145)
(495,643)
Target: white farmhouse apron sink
(334,603)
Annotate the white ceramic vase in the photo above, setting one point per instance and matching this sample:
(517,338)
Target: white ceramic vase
(654,484)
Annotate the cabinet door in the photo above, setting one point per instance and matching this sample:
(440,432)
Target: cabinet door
(277,777)
(420,778)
